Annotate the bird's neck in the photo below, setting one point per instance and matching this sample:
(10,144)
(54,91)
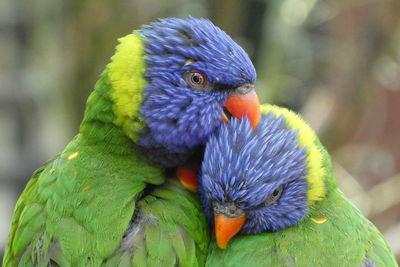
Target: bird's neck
(112,115)
(99,126)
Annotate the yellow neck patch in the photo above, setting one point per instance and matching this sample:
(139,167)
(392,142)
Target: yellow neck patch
(306,138)
(126,75)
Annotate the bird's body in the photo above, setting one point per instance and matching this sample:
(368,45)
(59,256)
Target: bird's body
(278,179)
(65,219)
(105,199)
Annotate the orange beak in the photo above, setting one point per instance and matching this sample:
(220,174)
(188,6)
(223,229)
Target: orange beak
(226,228)
(240,105)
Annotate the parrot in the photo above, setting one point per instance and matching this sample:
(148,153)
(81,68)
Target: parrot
(107,198)
(274,201)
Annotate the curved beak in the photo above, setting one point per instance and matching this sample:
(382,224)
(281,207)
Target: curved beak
(243,102)
(226,228)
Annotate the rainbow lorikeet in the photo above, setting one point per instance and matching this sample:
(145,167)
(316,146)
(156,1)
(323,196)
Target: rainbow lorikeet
(105,200)
(270,192)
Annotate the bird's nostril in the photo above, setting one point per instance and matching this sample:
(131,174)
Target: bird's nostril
(244,89)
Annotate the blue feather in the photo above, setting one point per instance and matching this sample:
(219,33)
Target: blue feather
(244,166)
(177,118)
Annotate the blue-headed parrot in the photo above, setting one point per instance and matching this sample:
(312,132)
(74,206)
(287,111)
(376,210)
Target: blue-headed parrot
(273,200)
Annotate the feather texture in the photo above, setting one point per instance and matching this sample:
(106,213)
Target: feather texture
(332,231)
(104,200)
(77,207)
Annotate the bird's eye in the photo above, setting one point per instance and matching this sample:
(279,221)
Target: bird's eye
(275,195)
(196,78)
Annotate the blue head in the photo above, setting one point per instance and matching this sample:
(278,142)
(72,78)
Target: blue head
(257,175)
(193,68)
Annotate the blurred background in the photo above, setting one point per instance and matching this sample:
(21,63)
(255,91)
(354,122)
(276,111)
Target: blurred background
(336,62)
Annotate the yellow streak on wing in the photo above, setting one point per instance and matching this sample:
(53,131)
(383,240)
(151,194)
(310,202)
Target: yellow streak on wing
(320,220)
(73,155)
(86,188)
(126,75)
(306,138)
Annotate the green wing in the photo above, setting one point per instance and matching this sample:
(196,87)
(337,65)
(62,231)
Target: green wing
(76,208)
(20,234)
(169,229)
(77,211)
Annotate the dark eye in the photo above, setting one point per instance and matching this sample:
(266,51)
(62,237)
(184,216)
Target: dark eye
(275,195)
(196,78)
